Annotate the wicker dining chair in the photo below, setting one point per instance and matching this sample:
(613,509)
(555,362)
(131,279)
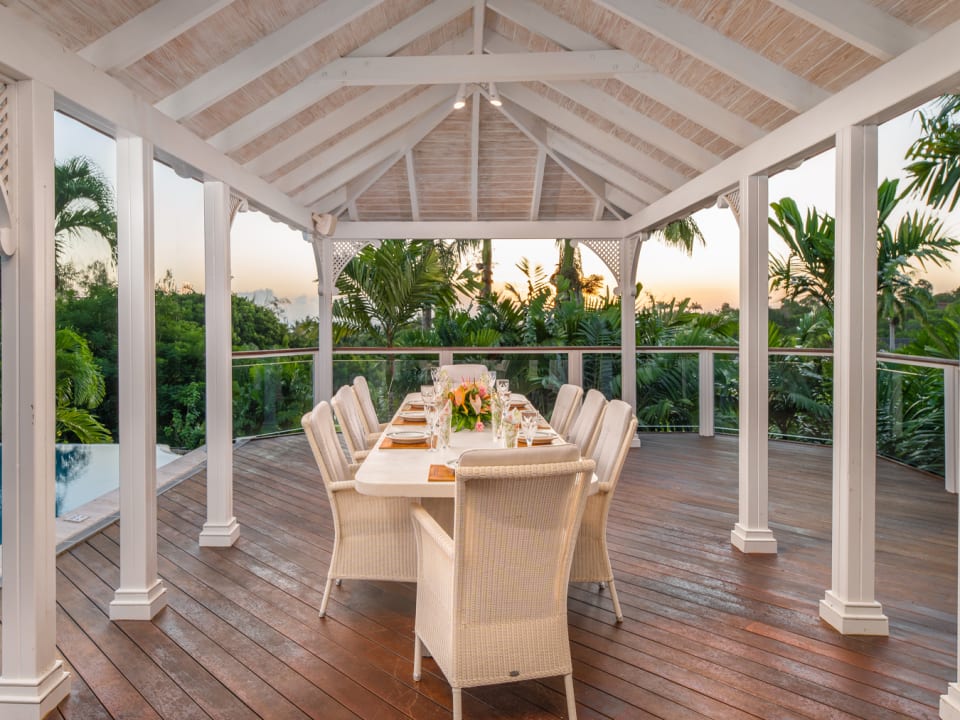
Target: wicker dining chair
(465,371)
(354,429)
(586,427)
(367,408)
(372,536)
(565,408)
(492,600)
(591,559)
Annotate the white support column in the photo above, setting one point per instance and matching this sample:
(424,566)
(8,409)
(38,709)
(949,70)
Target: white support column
(629,253)
(849,605)
(33,680)
(326,288)
(141,594)
(752,534)
(221,528)
(575,367)
(707,401)
(951,428)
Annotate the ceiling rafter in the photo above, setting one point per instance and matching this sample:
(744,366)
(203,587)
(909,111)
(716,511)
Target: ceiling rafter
(315,87)
(412,186)
(262,56)
(145,32)
(398,143)
(474,155)
(858,23)
(648,81)
(717,50)
(538,182)
(633,121)
(597,139)
(382,127)
(535,129)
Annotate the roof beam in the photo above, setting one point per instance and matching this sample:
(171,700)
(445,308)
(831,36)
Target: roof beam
(397,144)
(265,54)
(412,186)
(601,141)
(634,122)
(538,182)
(648,81)
(104,102)
(518,229)
(474,155)
(921,73)
(455,69)
(536,130)
(859,23)
(383,126)
(479,11)
(719,51)
(143,33)
(624,200)
(316,87)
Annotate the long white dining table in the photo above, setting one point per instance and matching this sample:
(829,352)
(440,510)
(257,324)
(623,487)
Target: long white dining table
(403,472)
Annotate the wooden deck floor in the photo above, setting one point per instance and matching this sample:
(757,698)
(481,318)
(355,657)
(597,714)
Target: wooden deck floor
(709,632)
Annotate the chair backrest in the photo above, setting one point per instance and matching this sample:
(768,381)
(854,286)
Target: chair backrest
(367,408)
(347,410)
(568,399)
(327,451)
(586,427)
(516,518)
(466,371)
(616,431)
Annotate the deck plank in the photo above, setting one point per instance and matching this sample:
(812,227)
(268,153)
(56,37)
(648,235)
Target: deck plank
(708,632)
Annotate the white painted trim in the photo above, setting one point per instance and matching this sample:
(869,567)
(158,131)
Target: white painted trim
(627,282)
(102,101)
(706,394)
(951,428)
(140,594)
(326,289)
(923,72)
(538,182)
(719,51)
(33,679)
(752,533)
(520,229)
(262,56)
(474,151)
(143,33)
(412,186)
(220,528)
(859,23)
(648,81)
(850,605)
(317,86)
(950,703)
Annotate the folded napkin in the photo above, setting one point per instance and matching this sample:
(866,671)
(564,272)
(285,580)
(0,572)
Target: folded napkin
(441,473)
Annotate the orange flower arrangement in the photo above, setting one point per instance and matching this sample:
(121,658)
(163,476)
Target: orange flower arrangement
(470,402)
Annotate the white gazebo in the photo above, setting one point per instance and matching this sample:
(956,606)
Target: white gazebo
(354,120)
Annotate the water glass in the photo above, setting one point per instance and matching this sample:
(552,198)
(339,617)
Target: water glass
(496,417)
(427,394)
(444,427)
(529,422)
(430,410)
(510,432)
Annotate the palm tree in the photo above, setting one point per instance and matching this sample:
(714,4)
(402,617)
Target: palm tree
(683,233)
(83,201)
(80,387)
(807,273)
(935,170)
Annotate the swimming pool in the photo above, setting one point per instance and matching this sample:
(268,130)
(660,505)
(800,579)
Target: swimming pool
(85,472)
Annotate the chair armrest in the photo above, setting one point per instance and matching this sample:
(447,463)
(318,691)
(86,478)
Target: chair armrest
(384,426)
(360,456)
(430,531)
(352,468)
(372,439)
(342,485)
(605,486)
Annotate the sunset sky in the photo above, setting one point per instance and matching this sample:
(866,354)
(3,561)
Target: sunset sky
(709,277)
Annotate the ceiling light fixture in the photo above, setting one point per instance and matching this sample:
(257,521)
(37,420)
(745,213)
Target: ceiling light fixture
(461,100)
(494,95)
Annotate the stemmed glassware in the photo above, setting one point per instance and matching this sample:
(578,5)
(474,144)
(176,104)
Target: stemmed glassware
(529,421)
(431,411)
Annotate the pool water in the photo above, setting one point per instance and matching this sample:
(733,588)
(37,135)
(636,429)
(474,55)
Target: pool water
(85,472)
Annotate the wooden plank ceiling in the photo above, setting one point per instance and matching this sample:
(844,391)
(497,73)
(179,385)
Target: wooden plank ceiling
(348,105)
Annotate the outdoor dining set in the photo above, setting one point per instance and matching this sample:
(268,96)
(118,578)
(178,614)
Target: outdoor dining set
(490,508)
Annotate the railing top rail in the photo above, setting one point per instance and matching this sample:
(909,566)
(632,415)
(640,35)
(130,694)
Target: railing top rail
(888,357)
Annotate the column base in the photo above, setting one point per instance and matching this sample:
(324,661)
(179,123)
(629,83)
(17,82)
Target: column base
(950,703)
(759,542)
(854,618)
(220,534)
(138,604)
(33,700)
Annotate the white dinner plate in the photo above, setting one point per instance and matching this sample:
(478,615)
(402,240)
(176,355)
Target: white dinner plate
(408,437)
(543,437)
(412,415)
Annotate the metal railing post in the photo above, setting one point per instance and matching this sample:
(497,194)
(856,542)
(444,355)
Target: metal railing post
(706,393)
(575,367)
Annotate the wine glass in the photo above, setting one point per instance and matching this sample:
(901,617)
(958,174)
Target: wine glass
(529,420)
(435,376)
(431,411)
(428,394)
(503,387)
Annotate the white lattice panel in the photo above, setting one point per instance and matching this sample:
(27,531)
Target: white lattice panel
(609,252)
(732,199)
(4,137)
(237,204)
(343,252)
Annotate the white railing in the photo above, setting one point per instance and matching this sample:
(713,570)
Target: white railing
(706,361)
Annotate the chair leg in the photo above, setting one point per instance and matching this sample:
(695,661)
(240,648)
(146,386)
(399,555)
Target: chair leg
(457,704)
(616,602)
(571,701)
(326,596)
(339,582)
(417,656)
